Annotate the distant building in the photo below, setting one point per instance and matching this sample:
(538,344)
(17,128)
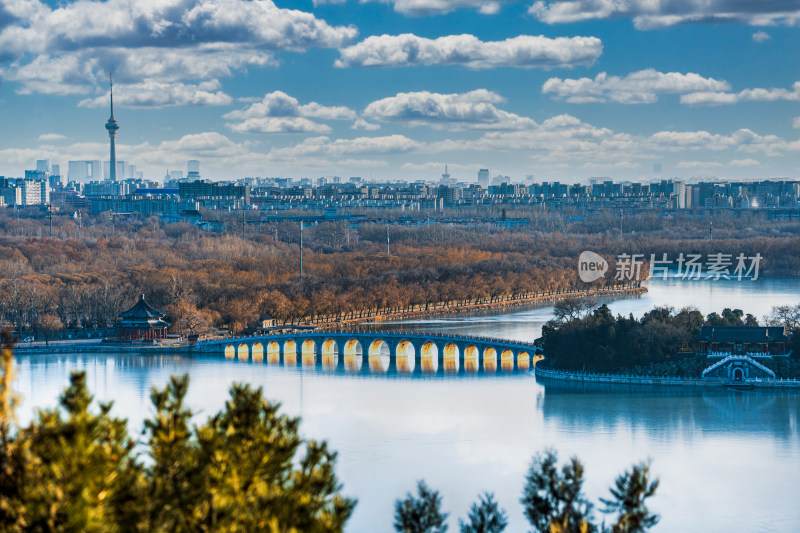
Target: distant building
(193,169)
(215,195)
(19,192)
(84,171)
(43,165)
(483,177)
(753,341)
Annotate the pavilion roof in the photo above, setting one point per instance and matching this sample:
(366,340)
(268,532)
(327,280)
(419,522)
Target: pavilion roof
(142,309)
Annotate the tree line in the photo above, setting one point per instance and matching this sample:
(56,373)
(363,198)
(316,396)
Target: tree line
(586,337)
(77,468)
(92,269)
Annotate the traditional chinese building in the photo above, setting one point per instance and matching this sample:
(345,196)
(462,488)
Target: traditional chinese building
(752,341)
(142,322)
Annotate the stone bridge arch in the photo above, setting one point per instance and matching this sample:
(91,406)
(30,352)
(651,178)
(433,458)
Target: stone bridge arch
(379,355)
(489,360)
(471,359)
(330,353)
(243,352)
(308,353)
(257,352)
(353,355)
(273,353)
(290,353)
(405,356)
(450,358)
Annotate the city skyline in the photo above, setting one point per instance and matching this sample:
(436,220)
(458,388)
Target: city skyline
(561,90)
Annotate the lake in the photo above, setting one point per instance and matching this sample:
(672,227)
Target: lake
(728,461)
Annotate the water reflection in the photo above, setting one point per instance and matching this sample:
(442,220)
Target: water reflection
(664,411)
(469,432)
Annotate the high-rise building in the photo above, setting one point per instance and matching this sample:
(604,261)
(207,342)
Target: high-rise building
(43,165)
(84,171)
(483,177)
(193,169)
(112,126)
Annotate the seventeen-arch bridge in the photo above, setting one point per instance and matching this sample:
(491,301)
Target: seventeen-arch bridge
(380,351)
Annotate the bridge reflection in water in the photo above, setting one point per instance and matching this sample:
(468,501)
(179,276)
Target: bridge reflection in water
(380,352)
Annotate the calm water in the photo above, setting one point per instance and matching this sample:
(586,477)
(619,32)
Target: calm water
(727,461)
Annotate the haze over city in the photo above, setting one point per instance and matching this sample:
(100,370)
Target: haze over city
(555,89)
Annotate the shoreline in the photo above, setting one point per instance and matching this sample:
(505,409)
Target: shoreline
(185,349)
(622,379)
(419,313)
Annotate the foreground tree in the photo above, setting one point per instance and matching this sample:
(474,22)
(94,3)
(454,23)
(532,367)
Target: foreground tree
(240,471)
(628,496)
(485,516)
(421,514)
(554,501)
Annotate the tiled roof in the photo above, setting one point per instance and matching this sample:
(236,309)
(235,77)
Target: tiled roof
(142,310)
(742,333)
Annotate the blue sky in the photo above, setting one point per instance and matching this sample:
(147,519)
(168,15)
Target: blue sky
(560,89)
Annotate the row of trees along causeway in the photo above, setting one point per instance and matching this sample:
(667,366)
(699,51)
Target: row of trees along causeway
(584,336)
(244,469)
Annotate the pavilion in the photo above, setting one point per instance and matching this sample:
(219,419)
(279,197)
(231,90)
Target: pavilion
(142,322)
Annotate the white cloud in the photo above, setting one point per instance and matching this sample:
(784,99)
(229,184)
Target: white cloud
(761,36)
(699,164)
(735,163)
(651,14)
(744,163)
(50,137)
(71,49)
(316,110)
(279,125)
(361,124)
(566,143)
(85,71)
(327,147)
(277,112)
(153,94)
(169,24)
(747,95)
(796,123)
(639,87)
(524,51)
(434,167)
(420,8)
(471,110)
(489,8)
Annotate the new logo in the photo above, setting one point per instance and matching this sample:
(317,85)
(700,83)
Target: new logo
(591,266)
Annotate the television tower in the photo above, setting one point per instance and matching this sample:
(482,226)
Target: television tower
(112,126)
